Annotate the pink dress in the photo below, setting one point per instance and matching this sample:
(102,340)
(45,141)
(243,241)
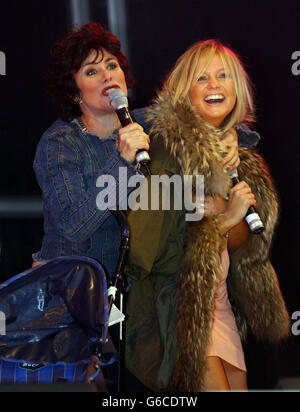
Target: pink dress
(225,340)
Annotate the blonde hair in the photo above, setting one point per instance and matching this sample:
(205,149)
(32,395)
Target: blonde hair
(187,71)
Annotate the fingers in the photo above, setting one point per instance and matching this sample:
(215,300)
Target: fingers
(133,130)
(230,140)
(242,194)
(132,138)
(231,161)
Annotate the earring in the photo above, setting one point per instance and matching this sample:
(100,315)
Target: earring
(78,100)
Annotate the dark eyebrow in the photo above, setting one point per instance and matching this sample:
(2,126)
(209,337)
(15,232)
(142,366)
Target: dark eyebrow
(107,60)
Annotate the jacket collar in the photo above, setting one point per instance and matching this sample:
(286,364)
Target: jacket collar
(195,145)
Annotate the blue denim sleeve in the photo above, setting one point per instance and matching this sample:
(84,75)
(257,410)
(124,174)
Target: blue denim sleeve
(246,136)
(69,202)
(140,116)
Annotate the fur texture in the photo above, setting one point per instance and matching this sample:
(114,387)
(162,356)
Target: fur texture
(252,283)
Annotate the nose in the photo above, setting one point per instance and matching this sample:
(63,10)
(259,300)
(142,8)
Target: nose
(107,76)
(213,82)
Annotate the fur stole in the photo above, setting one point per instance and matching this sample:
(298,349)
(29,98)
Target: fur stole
(252,283)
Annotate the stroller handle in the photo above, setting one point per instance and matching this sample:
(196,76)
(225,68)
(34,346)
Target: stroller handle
(117,276)
(124,243)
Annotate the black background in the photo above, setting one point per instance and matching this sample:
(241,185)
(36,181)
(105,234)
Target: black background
(265,35)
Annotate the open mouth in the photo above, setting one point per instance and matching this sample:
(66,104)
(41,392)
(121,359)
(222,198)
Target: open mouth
(106,89)
(214,99)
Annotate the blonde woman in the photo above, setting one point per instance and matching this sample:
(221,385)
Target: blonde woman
(206,95)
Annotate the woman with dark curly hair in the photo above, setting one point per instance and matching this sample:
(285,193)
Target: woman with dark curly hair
(84,143)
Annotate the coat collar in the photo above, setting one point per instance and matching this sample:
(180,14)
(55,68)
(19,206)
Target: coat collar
(195,145)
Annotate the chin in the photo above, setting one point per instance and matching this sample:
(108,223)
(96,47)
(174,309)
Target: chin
(217,122)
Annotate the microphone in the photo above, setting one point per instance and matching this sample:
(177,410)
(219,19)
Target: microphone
(252,217)
(119,102)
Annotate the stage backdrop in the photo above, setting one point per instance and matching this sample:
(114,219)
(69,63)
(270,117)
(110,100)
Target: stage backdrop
(267,37)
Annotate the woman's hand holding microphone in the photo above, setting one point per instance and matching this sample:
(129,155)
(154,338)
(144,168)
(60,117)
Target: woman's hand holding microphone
(233,211)
(132,138)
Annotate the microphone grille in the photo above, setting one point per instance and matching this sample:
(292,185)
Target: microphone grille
(234,173)
(117,98)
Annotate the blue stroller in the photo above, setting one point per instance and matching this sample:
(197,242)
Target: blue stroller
(57,317)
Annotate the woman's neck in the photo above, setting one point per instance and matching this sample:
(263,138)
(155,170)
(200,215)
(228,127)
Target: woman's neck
(101,125)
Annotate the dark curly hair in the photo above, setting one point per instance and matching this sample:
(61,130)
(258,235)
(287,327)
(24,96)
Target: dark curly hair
(67,56)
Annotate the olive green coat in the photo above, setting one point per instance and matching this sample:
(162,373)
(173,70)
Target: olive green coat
(156,247)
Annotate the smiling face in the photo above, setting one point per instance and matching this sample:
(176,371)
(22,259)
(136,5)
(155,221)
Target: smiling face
(214,94)
(94,77)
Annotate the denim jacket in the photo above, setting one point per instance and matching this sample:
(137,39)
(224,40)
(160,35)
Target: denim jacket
(67,163)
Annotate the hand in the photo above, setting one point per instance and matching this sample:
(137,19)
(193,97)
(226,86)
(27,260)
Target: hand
(132,138)
(237,233)
(214,205)
(230,140)
(240,199)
